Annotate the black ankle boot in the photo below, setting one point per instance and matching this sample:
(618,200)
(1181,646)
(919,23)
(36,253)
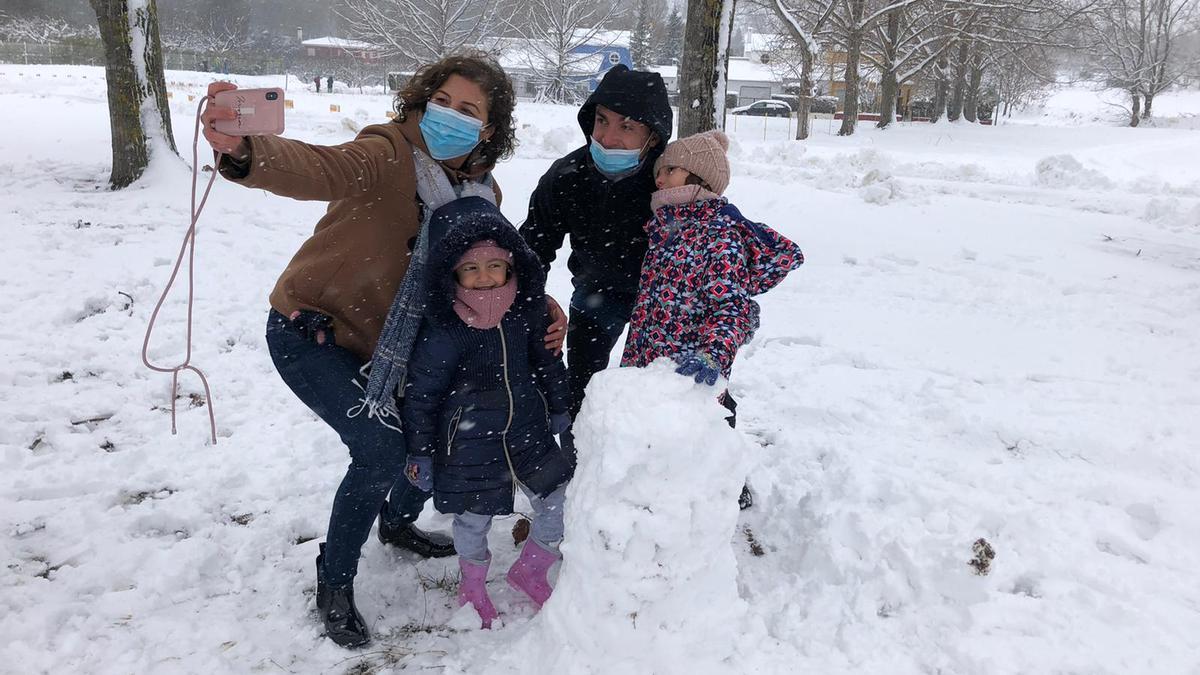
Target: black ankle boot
(747,499)
(408,536)
(343,624)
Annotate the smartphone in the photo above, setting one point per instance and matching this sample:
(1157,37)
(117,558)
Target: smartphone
(259,112)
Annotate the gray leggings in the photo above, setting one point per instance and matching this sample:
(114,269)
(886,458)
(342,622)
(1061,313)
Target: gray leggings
(471,529)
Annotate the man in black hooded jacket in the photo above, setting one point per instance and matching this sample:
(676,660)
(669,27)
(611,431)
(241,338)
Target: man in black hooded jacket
(599,194)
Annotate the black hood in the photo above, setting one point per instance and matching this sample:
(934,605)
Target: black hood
(467,221)
(636,94)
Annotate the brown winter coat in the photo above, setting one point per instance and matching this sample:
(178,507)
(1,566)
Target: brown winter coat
(352,265)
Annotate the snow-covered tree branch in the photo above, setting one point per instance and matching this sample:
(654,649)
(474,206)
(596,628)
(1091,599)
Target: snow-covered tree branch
(42,30)
(552,31)
(802,22)
(1134,44)
(420,30)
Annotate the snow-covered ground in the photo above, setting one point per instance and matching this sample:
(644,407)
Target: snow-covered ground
(995,336)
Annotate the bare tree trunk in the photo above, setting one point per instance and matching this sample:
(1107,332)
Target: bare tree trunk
(888,87)
(705,62)
(955,108)
(807,47)
(853,54)
(1135,117)
(803,113)
(887,102)
(135,125)
(971,100)
(941,90)
(1149,102)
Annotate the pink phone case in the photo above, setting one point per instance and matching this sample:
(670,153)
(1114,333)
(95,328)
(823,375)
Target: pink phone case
(260,112)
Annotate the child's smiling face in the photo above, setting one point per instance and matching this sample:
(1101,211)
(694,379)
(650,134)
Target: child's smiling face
(670,177)
(482,275)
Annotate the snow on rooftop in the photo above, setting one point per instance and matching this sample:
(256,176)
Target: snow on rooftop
(740,70)
(615,38)
(342,43)
(519,55)
(747,70)
(762,42)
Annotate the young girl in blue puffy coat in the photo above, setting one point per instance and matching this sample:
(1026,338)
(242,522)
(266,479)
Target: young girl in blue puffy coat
(484,399)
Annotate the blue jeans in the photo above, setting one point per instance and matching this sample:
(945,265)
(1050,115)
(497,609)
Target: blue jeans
(323,376)
(595,323)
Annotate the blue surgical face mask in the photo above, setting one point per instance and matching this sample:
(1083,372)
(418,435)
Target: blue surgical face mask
(449,133)
(615,164)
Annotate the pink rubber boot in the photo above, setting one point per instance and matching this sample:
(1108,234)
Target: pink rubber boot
(528,573)
(472,588)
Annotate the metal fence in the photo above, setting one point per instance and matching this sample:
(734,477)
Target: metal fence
(93,55)
(62,54)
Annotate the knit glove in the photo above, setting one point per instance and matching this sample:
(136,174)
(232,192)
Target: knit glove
(559,422)
(699,364)
(418,470)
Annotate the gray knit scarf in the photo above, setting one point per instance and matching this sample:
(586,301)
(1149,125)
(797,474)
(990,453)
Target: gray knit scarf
(389,364)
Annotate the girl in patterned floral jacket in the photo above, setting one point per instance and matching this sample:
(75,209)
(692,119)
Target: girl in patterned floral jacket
(704,264)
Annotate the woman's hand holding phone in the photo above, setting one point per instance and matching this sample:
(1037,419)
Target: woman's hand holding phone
(233,146)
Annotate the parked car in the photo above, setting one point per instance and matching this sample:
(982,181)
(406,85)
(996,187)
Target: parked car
(765,108)
(790,99)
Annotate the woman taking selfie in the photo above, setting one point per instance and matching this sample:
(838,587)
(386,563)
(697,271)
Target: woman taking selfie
(332,303)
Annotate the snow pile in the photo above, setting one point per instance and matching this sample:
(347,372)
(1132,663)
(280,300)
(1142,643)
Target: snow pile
(545,141)
(652,511)
(1170,212)
(1064,171)
(648,582)
(866,171)
(878,186)
(765,156)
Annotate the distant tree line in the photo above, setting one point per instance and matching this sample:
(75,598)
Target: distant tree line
(964,52)
(959,55)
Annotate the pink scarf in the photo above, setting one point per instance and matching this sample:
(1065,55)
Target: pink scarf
(483,309)
(684,194)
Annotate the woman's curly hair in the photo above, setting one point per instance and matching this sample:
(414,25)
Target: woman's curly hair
(482,69)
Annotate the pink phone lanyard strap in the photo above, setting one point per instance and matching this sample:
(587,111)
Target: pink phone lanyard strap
(188,247)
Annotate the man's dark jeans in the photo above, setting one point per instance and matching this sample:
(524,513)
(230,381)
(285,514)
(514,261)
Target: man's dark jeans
(730,404)
(596,321)
(323,377)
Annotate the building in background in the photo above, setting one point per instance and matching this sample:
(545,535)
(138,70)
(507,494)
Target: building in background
(531,63)
(334,47)
(747,81)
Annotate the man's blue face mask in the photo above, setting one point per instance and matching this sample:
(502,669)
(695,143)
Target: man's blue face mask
(614,162)
(449,133)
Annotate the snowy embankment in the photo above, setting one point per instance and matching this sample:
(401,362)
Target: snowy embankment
(1084,104)
(994,337)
